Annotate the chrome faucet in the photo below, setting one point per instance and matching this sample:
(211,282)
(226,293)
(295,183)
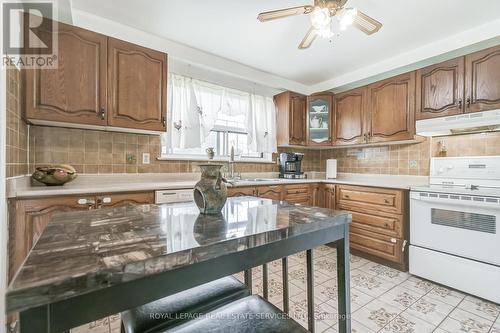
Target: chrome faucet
(231,163)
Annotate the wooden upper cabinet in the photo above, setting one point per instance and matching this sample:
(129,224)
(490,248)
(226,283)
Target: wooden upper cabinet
(440,89)
(392,108)
(290,118)
(482,83)
(297,120)
(320,119)
(350,112)
(75,92)
(137,86)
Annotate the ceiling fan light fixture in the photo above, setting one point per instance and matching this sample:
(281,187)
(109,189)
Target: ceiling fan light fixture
(325,32)
(320,18)
(346,17)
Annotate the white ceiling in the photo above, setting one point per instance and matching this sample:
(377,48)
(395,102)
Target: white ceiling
(229,29)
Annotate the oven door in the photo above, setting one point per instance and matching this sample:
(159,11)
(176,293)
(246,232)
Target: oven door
(461,225)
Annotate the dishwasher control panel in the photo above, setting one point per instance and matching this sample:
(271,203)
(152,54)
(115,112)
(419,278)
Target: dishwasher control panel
(172,196)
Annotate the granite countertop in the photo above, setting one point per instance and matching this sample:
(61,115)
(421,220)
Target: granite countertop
(85,184)
(86,251)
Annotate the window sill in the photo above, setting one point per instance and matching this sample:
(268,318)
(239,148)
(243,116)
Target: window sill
(216,159)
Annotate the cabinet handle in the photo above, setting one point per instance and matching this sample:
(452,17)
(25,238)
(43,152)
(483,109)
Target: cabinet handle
(164,121)
(346,196)
(103,114)
(386,201)
(460,103)
(468,101)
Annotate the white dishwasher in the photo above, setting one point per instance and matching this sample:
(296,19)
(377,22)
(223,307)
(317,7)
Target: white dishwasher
(172,196)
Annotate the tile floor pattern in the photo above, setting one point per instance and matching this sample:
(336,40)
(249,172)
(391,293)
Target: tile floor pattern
(383,300)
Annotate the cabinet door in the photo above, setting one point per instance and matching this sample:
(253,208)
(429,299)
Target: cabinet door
(75,92)
(137,86)
(116,200)
(319,120)
(329,196)
(28,219)
(241,191)
(381,246)
(350,116)
(440,90)
(270,192)
(297,121)
(392,109)
(482,84)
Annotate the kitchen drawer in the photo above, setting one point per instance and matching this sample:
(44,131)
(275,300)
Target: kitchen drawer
(381,246)
(298,194)
(273,192)
(385,223)
(240,191)
(377,199)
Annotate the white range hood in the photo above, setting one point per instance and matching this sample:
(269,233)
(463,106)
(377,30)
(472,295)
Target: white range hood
(476,122)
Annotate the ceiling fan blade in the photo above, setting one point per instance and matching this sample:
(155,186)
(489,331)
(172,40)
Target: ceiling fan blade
(280,13)
(308,38)
(366,23)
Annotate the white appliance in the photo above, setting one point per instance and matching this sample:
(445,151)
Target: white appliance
(454,225)
(173,196)
(331,169)
(486,121)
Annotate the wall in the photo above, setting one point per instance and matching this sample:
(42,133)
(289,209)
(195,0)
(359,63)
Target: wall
(17,130)
(105,152)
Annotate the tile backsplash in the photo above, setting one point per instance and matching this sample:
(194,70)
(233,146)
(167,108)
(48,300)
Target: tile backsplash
(108,152)
(17,129)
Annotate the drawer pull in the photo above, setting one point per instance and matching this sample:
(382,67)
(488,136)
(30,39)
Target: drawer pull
(386,201)
(346,196)
(394,240)
(386,225)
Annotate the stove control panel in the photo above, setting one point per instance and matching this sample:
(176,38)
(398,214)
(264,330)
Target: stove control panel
(466,171)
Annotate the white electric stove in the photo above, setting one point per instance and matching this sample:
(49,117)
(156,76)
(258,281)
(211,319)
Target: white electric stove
(454,225)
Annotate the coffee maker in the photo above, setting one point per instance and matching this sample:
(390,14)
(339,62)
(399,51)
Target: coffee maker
(290,166)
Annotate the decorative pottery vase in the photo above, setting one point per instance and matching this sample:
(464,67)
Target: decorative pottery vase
(210,193)
(316,122)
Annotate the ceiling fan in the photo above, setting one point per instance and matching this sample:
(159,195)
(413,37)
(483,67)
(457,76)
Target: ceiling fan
(322,13)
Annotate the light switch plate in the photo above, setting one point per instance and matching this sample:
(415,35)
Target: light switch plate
(145,158)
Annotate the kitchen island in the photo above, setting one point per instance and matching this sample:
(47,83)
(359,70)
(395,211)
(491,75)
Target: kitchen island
(87,265)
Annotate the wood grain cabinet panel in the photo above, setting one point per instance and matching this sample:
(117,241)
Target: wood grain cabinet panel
(378,199)
(329,196)
(392,109)
(74,92)
(297,120)
(376,245)
(290,118)
(440,89)
(482,84)
(350,112)
(120,199)
(300,194)
(240,191)
(273,192)
(137,86)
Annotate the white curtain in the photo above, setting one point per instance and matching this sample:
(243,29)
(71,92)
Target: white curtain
(183,114)
(262,124)
(209,102)
(195,106)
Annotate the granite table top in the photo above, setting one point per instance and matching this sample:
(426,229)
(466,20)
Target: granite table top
(82,252)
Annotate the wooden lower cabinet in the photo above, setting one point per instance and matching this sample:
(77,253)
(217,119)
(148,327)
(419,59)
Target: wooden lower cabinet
(273,192)
(379,227)
(241,191)
(329,196)
(29,217)
(300,194)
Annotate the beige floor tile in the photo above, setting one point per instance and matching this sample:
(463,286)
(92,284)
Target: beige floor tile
(446,295)
(370,284)
(418,285)
(480,307)
(400,297)
(357,327)
(430,310)
(406,323)
(463,321)
(375,315)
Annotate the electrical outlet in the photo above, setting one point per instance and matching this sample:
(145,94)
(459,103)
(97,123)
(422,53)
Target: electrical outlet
(145,158)
(413,164)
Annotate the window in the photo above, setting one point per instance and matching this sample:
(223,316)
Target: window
(203,115)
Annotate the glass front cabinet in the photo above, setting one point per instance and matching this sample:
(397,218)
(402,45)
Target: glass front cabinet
(320,119)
